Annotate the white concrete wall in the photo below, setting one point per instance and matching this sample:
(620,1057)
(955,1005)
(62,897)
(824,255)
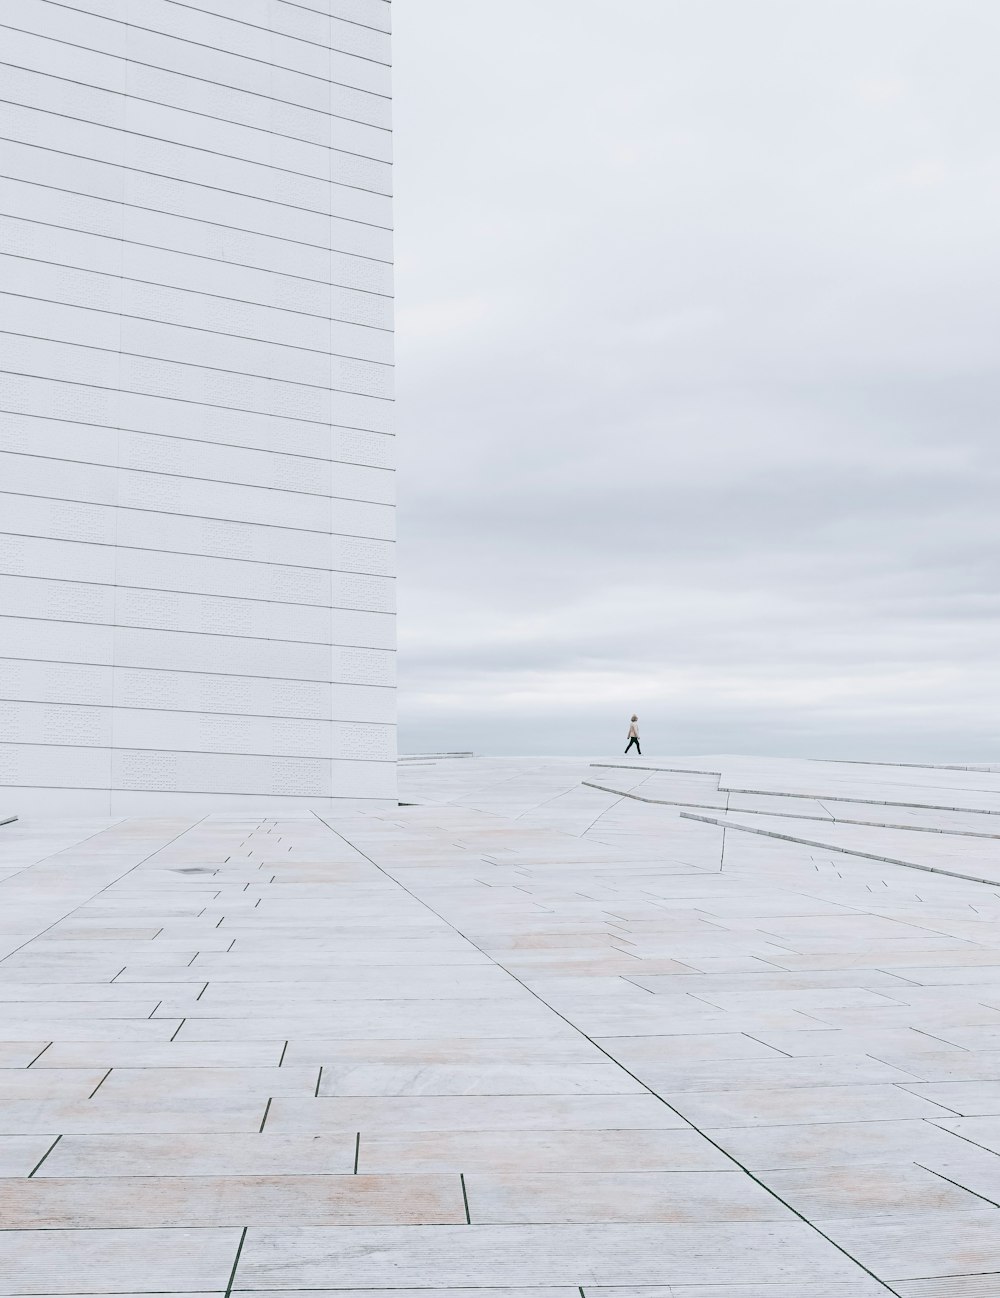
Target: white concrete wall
(196,487)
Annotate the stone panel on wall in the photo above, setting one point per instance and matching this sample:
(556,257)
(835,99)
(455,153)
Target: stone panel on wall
(197,571)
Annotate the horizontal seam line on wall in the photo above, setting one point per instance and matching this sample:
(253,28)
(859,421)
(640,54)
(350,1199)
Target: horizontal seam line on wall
(213,793)
(303,40)
(205,405)
(195,292)
(199,441)
(224,85)
(200,220)
(211,369)
(184,712)
(191,554)
(127,707)
(214,189)
(200,752)
(200,292)
(197,148)
(198,594)
(295,4)
(209,518)
(197,477)
(216,635)
(190,671)
(194,671)
(234,54)
(333,17)
(218,333)
(195,112)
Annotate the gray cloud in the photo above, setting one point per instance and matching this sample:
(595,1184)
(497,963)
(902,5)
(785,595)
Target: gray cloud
(697,376)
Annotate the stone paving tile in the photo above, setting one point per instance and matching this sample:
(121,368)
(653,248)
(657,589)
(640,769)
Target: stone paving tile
(968,1286)
(779,1105)
(19,1054)
(841,1191)
(572,1197)
(977,1131)
(33,992)
(212,1113)
(539,1112)
(554,1291)
(380,1020)
(828,1144)
(116,1261)
(678,1149)
(405,983)
(862,1287)
(768,1252)
(34,1084)
(986,971)
(559,1049)
(975,1037)
(905,1247)
(42,1015)
(775,1074)
(895,1044)
(950,1065)
(973,1168)
(202,1155)
(162,1054)
(186,1202)
(19,1154)
(167,1088)
(966,1098)
(139,1029)
(475,1079)
(662,1051)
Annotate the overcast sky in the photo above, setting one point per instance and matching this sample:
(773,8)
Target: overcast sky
(698,332)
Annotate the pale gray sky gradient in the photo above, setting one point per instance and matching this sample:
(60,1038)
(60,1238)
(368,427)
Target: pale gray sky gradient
(698,389)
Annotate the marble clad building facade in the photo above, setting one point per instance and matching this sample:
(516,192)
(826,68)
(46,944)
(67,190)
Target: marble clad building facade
(196,453)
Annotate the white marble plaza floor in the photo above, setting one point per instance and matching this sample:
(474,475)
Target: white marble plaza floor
(718,1028)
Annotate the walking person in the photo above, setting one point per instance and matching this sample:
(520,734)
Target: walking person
(633,736)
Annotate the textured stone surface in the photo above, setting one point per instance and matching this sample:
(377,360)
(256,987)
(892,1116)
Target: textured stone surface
(526,1035)
(196,449)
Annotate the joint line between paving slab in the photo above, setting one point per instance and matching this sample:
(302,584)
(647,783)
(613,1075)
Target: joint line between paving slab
(125,873)
(544,803)
(645,1086)
(603,813)
(39,1055)
(100,1084)
(968,1139)
(45,1155)
(236,1262)
(934,1172)
(114,824)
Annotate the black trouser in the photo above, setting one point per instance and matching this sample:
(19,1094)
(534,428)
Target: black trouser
(633,739)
